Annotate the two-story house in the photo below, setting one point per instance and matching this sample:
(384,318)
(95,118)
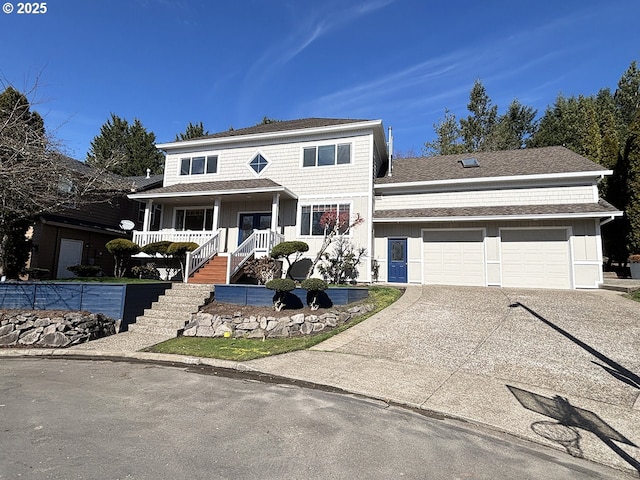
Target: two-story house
(516,218)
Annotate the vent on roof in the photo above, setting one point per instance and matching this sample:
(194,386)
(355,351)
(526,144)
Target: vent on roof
(469,162)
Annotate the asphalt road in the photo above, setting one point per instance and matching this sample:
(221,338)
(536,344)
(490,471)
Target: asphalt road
(74,419)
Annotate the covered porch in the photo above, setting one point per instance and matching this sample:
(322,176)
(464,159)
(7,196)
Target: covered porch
(236,220)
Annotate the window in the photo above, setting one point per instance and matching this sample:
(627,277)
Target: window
(314,218)
(258,163)
(194,219)
(199,165)
(323,155)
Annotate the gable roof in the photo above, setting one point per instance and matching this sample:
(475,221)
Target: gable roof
(284,125)
(507,163)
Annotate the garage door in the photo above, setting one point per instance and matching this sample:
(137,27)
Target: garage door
(453,257)
(535,258)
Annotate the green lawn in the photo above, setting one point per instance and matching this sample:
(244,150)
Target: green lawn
(241,349)
(634,295)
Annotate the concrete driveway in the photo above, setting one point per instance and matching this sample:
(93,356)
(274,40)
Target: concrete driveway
(557,367)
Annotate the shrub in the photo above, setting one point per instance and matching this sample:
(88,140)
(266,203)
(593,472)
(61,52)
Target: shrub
(286,250)
(314,286)
(282,286)
(121,249)
(262,269)
(156,247)
(342,264)
(148,270)
(179,251)
(85,270)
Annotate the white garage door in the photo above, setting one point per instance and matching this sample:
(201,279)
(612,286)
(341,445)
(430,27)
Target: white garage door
(535,258)
(453,257)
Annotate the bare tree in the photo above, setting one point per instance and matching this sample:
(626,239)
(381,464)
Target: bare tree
(35,177)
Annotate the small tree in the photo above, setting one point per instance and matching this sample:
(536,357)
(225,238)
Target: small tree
(286,250)
(342,264)
(160,249)
(263,269)
(178,250)
(121,249)
(282,287)
(334,224)
(314,287)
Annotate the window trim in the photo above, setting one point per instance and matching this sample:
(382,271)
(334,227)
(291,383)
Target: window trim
(204,208)
(335,144)
(252,158)
(206,157)
(330,203)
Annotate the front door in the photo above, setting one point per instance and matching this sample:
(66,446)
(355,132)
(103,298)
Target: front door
(253,221)
(397,263)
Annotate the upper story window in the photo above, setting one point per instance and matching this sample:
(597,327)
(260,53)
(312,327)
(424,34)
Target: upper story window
(337,154)
(258,163)
(199,165)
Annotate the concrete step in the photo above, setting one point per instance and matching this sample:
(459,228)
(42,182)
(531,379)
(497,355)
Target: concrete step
(153,330)
(182,299)
(173,307)
(161,322)
(162,314)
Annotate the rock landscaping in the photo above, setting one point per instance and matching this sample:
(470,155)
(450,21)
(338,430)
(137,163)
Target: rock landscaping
(52,329)
(204,324)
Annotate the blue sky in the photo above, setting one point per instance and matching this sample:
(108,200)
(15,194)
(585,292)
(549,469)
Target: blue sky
(170,62)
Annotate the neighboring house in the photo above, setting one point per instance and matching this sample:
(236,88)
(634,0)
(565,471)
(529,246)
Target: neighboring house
(78,236)
(515,218)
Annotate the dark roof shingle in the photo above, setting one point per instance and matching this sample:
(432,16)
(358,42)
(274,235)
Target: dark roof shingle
(601,208)
(284,125)
(529,161)
(219,186)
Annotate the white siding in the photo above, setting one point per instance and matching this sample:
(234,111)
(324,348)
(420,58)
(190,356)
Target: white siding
(285,166)
(488,198)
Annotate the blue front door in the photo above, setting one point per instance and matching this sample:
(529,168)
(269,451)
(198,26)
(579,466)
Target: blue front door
(397,256)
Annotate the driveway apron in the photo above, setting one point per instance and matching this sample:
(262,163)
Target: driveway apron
(557,367)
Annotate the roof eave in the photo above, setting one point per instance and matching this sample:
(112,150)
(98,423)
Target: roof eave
(342,127)
(212,193)
(510,178)
(470,218)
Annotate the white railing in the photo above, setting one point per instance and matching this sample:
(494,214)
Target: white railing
(258,244)
(201,255)
(199,237)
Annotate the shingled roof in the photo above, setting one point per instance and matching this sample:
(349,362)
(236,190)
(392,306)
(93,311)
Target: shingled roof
(219,186)
(529,161)
(284,125)
(602,208)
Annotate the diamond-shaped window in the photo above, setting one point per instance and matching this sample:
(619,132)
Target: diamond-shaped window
(258,163)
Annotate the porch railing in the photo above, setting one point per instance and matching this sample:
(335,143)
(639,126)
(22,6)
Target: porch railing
(199,237)
(258,244)
(201,255)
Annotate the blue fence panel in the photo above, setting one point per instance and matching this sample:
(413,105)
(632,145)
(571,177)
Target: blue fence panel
(103,298)
(58,296)
(260,296)
(18,296)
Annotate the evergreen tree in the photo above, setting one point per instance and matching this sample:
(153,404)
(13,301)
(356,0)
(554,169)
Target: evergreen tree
(125,149)
(627,98)
(192,131)
(477,127)
(448,137)
(632,155)
(514,128)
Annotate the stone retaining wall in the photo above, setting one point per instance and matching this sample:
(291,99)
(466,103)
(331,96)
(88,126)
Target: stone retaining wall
(210,325)
(28,328)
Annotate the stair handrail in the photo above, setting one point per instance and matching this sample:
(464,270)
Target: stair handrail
(199,256)
(259,242)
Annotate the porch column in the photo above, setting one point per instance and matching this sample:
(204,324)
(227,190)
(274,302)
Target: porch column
(216,213)
(275,208)
(146,223)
